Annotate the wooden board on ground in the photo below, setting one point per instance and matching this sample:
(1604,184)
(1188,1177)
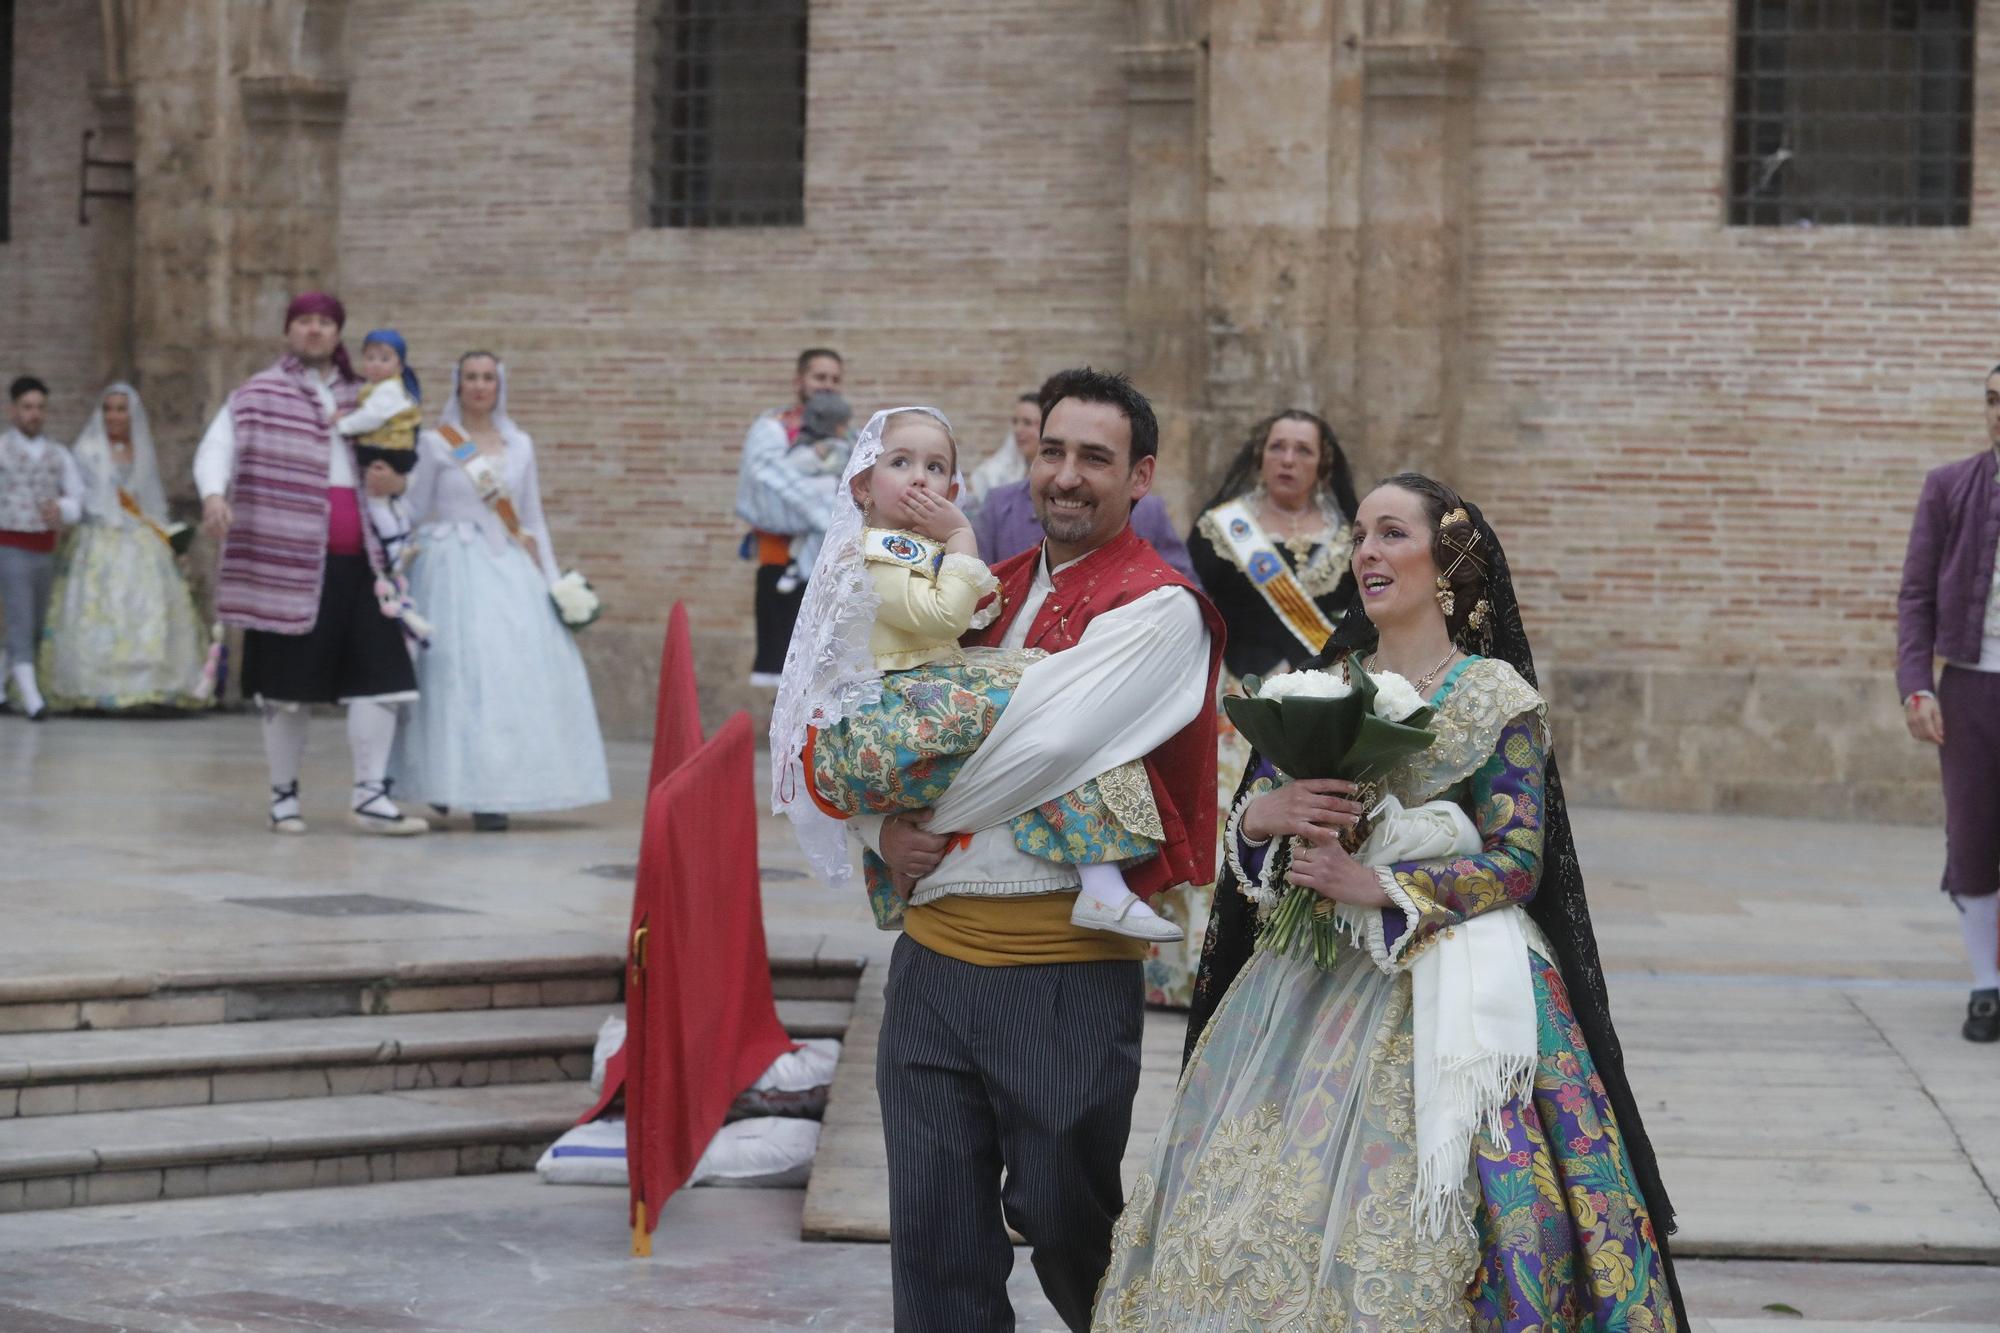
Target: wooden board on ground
(1791,1122)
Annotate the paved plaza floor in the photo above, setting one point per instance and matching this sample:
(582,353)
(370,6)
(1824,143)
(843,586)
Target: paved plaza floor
(1788,993)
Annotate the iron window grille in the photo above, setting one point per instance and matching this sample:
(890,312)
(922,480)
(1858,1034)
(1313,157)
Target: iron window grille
(6,116)
(729,113)
(1853,112)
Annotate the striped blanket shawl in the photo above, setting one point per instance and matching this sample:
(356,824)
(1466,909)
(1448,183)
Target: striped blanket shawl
(274,558)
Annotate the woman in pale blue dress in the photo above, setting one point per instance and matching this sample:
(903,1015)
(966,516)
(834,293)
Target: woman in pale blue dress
(122,631)
(505,723)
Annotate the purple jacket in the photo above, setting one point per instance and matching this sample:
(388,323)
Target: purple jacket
(1006,526)
(1941,609)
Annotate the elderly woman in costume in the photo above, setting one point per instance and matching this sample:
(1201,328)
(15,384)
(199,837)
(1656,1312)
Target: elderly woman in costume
(1348,1147)
(122,631)
(507,724)
(1271,547)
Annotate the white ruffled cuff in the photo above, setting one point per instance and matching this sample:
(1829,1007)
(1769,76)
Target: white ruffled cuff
(1257,888)
(1388,959)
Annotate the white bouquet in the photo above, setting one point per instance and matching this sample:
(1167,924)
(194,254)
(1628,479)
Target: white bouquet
(1305,685)
(576,605)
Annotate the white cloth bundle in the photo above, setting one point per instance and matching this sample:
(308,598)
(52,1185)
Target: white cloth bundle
(1472,1005)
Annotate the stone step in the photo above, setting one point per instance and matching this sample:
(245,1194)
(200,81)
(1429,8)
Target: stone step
(71,1003)
(67,1073)
(193,1151)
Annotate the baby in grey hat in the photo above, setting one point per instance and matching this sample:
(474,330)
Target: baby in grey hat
(820,452)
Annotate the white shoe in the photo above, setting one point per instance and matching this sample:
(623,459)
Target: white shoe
(1131,918)
(285,811)
(377,814)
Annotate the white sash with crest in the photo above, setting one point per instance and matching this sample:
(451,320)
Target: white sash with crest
(1234,530)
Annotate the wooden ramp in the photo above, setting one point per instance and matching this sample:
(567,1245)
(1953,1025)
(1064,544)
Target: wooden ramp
(1793,1120)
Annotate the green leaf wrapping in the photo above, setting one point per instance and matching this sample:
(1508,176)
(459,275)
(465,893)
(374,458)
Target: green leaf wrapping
(1322,738)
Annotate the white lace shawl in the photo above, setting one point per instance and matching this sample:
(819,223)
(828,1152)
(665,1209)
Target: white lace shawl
(829,672)
(100,475)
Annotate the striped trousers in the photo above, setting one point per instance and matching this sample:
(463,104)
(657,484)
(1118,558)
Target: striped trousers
(1006,1101)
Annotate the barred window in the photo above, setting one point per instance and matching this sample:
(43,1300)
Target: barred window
(1853,112)
(729,113)
(6,115)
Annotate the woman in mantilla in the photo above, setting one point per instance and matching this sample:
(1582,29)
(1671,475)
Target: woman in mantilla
(122,631)
(507,724)
(1433,1130)
(1270,549)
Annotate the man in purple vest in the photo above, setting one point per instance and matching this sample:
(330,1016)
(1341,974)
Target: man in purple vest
(300,562)
(1949,608)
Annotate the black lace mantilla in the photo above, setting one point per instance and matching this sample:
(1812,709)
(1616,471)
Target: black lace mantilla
(1558,906)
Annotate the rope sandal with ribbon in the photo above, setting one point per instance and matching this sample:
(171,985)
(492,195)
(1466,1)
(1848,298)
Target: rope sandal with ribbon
(370,817)
(285,809)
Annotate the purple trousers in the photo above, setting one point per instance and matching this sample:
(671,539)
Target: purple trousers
(1970,756)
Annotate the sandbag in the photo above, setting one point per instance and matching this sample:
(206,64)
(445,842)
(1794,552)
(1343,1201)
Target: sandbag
(590,1154)
(769,1152)
(795,1084)
(610,1041)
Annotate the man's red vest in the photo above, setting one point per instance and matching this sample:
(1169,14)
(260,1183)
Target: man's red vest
(1182,769)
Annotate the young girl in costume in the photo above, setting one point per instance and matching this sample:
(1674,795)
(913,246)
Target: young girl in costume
(883,706)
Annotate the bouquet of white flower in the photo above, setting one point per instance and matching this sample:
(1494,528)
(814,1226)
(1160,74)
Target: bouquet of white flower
(576,605)
(1340,723)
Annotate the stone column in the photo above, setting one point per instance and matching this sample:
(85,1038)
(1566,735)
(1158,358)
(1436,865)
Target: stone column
(1166,235)
(1418,79)
(237,106)
(1275,132)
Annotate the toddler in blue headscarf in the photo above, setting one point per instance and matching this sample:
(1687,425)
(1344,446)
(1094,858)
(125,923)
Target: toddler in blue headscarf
(385,419)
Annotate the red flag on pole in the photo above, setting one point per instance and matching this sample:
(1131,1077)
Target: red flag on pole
(677,719)
(702,1024)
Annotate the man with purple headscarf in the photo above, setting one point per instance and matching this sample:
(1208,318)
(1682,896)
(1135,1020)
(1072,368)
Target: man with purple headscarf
(300,565)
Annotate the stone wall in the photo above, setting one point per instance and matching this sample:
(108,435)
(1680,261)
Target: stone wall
(1703,443)
(64,286)
(964,236)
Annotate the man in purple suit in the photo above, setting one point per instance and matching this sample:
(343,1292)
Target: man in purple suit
(1005,524)
(1949,608)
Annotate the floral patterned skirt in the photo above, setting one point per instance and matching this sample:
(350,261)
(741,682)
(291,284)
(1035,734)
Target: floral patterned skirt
(903,752)
(122,630)
(1278,1194)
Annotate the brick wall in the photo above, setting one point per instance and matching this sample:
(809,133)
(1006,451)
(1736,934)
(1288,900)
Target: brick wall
(1703,443)
(965,236)
(54,281)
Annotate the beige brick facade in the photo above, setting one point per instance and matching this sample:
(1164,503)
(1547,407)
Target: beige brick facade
(1485,236)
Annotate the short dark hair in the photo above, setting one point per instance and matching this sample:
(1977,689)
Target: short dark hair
(26,384)
(1030,397)
(812,354)
(1096,386)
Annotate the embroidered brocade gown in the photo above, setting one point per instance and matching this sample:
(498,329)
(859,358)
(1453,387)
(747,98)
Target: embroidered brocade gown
(1257,643)
(1279,1192)
(122,630)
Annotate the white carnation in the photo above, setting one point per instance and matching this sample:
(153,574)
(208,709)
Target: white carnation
(1306,685)
(1395,698)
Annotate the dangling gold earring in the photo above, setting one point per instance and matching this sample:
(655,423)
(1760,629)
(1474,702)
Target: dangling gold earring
(1447,603)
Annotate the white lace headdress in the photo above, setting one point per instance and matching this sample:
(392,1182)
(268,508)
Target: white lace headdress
(829,673)
(93,456)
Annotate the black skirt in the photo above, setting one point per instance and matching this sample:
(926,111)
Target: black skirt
(352,651)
